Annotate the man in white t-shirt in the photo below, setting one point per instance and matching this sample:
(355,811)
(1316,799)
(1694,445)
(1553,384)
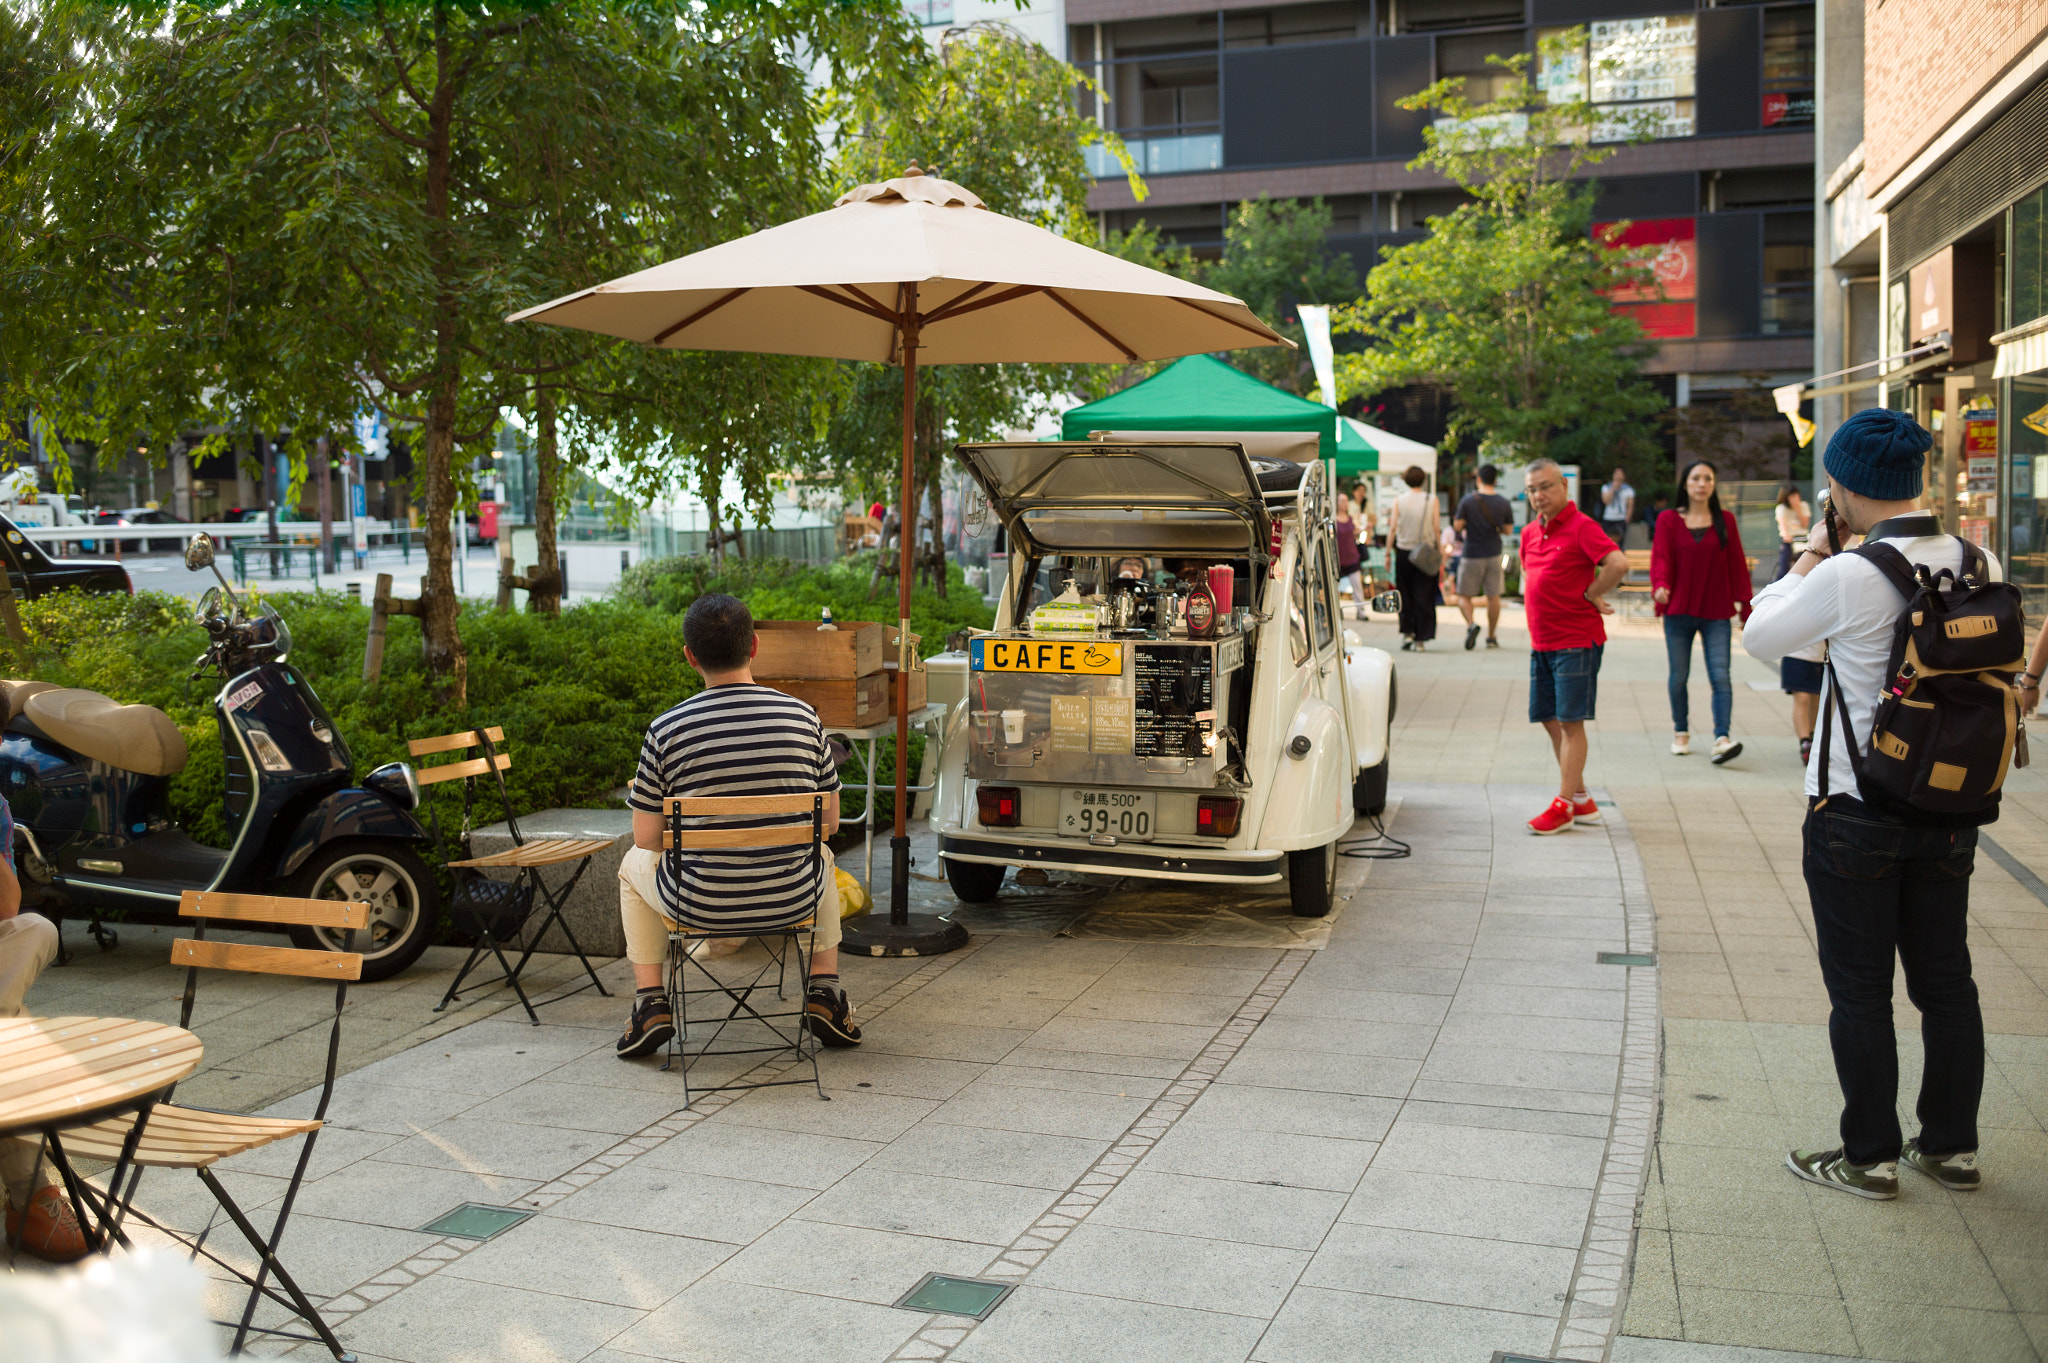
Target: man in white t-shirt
(1617,505)
(1882,890)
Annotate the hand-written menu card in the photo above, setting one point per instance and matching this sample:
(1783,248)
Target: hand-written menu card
(1070,722)
(1114,725)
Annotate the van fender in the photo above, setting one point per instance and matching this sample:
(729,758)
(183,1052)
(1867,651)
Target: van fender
(351,813)
(1310,803)
(1369,683)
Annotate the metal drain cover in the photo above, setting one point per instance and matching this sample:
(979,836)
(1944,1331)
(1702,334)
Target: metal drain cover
(475,1221)
(948,1295)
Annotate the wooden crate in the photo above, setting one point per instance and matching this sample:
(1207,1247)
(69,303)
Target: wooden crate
(919,683)
(844,702)
(799,649)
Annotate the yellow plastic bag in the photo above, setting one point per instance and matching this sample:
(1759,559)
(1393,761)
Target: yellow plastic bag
(853,896)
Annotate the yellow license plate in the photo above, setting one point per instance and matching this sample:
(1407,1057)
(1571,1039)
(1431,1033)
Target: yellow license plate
(1089,657)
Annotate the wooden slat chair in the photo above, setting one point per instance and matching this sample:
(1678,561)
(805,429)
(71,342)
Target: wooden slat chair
(496,911)
(787,1027)
(195,1138)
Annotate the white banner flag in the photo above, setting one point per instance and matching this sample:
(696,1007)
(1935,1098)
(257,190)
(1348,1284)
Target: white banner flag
(1315,325)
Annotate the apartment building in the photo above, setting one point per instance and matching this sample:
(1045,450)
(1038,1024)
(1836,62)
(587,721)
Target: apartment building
(1223,103)
(1933,228)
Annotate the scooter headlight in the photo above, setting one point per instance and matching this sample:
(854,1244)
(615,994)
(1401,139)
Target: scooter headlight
(396,782)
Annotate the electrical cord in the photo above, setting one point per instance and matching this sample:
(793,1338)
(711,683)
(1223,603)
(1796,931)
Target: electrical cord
(1381,846)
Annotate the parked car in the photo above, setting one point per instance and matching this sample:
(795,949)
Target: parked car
(155,515)
(32,572)
(1103,735)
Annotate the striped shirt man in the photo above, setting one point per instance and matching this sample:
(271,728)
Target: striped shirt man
(736,740)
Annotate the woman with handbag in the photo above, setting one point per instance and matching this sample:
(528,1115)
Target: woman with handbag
(1417,558)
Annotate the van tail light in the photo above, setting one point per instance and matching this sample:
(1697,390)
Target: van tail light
(1001,806)
(1216,815)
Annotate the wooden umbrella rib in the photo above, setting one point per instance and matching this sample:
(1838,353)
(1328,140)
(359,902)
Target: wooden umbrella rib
(1130,355)
(697,316)
(960,308)
(860,302)
(1260,332)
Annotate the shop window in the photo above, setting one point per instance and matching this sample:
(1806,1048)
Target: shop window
(1788,274)
(1291,24)
(1788,68)
(930,12)
(1637,73)
(2026,527)
(1466,55)
(2026,260)
(1666,308)
(1429,16)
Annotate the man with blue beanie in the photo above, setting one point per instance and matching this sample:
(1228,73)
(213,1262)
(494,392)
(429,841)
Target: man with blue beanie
(1879,888)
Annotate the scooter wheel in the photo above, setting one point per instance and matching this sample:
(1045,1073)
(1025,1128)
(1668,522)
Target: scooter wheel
(405,907)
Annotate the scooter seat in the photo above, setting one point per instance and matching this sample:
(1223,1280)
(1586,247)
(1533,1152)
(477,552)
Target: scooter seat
(14,694)
(138,738)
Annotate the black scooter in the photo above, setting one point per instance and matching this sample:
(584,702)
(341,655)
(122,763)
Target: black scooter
(87,779)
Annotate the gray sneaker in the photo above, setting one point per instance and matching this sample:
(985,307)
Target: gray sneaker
(1831,1169)
(1958,1172)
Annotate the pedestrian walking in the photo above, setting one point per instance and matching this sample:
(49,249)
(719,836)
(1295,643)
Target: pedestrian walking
(1348,555)
(1889,881)
(1482,517)
(1569,565)
(1799,676)
(1795,520)
(1617,507)
(1699,583)
(1417,558)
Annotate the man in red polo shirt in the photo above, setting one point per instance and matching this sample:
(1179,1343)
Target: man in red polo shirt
(1568,566)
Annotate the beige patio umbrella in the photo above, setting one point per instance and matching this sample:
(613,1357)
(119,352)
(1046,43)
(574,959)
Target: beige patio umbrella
(914,270)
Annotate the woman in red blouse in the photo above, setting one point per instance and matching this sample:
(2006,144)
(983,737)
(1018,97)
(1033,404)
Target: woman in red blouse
(1699,580)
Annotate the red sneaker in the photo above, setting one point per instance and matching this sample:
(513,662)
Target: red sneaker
(1555,819)
(1587,811)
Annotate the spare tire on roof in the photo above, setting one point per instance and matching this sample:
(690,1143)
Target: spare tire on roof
(1277,475)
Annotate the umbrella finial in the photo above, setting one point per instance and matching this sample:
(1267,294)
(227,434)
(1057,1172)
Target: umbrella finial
(911,170)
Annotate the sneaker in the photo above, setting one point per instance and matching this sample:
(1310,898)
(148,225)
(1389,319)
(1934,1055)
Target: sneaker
(1958,1172)
(830,1016)
(648,1030)
(1555,819)
(1493,643)
(1681,745)
(50,1228)
(1830,1169)
(1586,810)
(1471,637)
(1726,749)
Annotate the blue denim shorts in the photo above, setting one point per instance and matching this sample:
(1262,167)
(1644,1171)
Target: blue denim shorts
(1564,683)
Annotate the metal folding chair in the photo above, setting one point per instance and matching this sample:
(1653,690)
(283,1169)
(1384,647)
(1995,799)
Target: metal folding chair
(496,911)
(175,1137)
(787,1027)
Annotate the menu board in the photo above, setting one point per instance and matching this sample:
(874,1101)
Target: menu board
(1175,699)
(1643,59)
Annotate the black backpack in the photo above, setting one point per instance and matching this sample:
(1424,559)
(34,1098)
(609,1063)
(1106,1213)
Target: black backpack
(1948,718)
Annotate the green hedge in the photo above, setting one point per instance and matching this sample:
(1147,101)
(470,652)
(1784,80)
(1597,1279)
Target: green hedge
(574,694)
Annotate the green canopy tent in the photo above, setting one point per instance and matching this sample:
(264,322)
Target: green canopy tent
(1201,393)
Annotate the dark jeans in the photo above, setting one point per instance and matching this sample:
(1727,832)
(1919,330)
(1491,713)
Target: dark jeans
(1881,891)
(1418,598)
(1713,635)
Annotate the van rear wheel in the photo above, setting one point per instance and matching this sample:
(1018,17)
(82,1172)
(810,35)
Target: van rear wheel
(1312,880)
(972,882)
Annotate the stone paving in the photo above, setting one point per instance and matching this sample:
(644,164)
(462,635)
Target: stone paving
(1447,1133)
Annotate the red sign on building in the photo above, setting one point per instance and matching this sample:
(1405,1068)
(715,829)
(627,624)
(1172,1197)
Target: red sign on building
(1663,308)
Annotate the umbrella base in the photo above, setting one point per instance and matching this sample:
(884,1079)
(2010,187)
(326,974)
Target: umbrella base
(922,934)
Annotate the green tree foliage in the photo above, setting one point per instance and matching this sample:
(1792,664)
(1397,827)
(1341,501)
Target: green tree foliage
(1505,302)
(262,216)
(1276,255)
(996,114)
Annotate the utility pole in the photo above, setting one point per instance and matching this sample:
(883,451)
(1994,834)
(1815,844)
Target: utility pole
(263,461)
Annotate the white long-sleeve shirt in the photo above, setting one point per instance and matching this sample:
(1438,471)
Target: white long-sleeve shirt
(1848,603)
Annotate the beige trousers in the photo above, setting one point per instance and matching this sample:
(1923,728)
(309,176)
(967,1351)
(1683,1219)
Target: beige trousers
(647,929)
(28,943)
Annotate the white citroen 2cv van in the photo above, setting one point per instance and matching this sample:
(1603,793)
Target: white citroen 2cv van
(1103,733)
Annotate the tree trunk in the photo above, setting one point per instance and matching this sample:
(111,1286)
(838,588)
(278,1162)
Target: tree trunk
(932,562)
(323,477)
(544,594)
(439,635)
(10,613)
(714,534)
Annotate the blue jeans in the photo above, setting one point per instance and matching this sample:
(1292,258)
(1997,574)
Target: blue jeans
(1678,633)
(1883,893)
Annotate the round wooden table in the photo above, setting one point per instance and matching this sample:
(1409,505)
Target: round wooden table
(65,1072)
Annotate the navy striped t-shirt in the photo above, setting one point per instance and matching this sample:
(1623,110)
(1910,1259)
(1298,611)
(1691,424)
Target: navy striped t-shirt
(736,740)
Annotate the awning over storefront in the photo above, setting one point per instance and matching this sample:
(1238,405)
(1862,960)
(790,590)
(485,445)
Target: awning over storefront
(1201,393)
(1910,362)
(2022,350)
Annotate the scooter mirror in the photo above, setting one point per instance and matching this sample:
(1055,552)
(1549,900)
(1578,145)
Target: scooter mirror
(199,553)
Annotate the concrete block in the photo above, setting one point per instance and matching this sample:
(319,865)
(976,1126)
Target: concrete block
(593,907)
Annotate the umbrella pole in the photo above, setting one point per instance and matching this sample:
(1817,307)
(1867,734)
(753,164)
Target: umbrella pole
(905,934)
